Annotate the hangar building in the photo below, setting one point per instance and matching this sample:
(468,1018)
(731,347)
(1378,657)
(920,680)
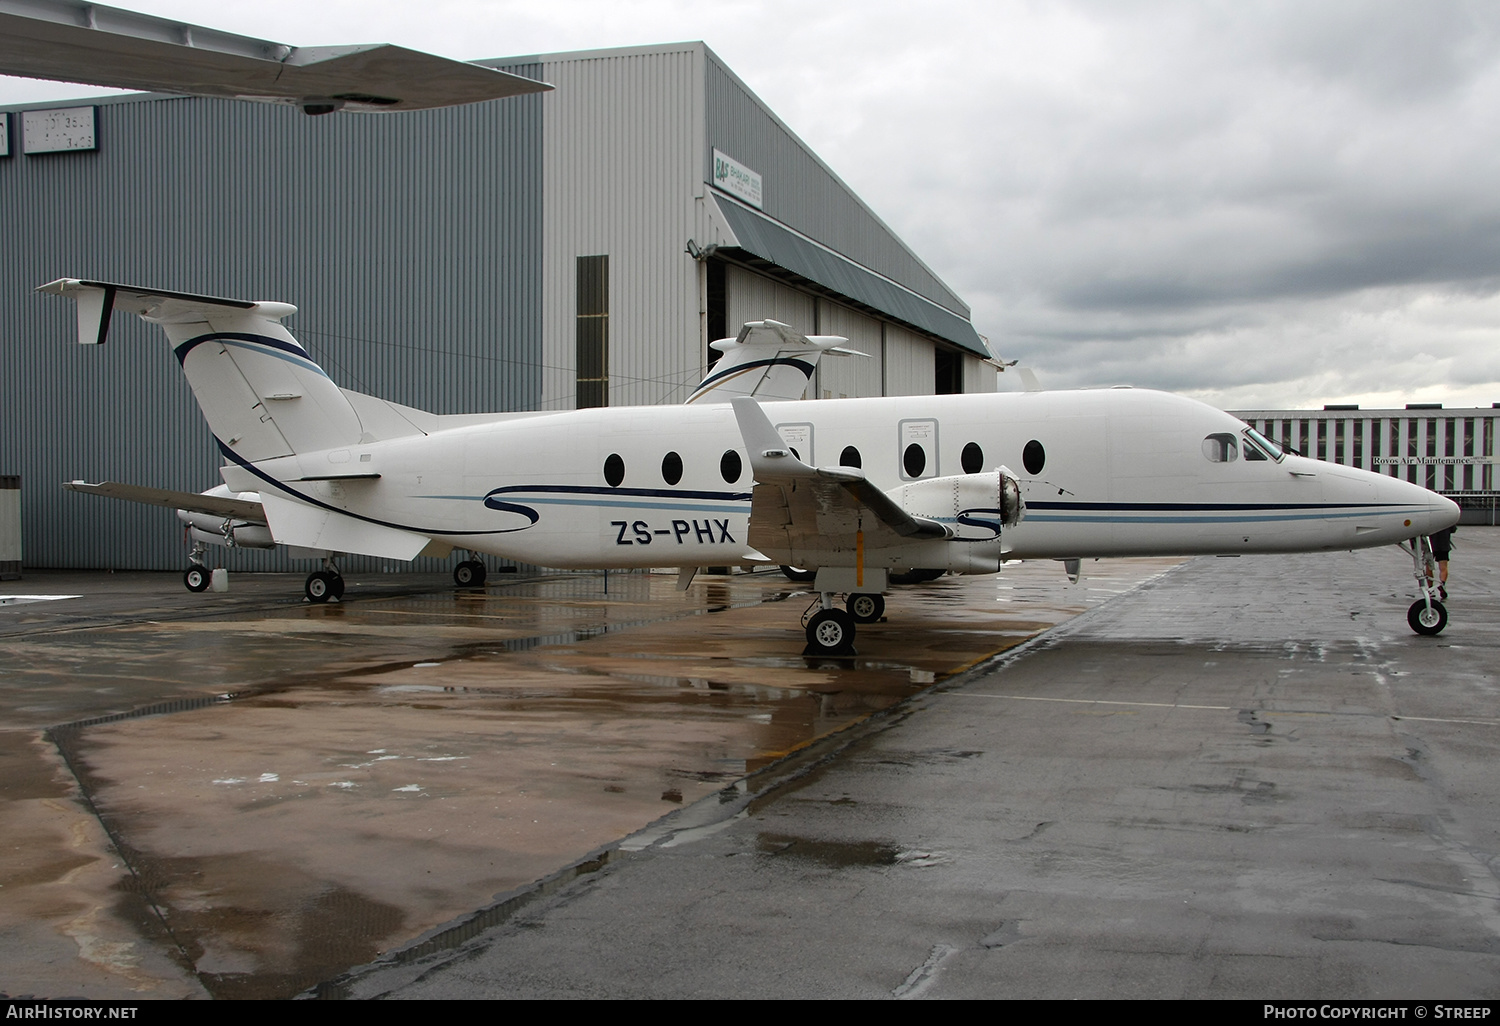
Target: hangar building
(571,248)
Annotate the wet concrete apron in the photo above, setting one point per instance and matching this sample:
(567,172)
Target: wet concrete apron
(1248,779)
(242,795)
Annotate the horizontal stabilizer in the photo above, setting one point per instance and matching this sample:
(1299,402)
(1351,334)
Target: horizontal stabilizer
(75,41)
(192,502)
(97,300)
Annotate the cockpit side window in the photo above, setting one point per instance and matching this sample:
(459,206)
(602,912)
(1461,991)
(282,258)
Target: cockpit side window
(1221,448)
(1262,443)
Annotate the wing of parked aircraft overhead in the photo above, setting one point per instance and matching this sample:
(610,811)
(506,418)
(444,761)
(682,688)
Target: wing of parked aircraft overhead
(192,502)
(74,41)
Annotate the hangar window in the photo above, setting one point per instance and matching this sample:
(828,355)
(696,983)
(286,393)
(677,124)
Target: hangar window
(671,468)
(1220,448)
(972,458)
(1033,457)
(730,467)
(914,460)
(592,384)
(850,457)
(614,469)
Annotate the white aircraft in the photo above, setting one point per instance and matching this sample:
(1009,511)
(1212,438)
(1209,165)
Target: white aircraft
(853,489)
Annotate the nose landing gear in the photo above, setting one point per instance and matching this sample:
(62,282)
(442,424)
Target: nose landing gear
(1427,615)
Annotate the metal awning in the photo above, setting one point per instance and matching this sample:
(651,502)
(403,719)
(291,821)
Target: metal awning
(772,241)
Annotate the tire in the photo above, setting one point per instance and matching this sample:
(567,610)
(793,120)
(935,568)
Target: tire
(794,574)
(865,608)
(337,586)
(319,586)
(917,576)
(830,632)
(197,578)
(469,574)
(1427,621)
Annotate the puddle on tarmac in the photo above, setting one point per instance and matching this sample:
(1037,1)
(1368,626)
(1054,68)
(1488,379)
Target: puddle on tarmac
(833,854)
(250,927)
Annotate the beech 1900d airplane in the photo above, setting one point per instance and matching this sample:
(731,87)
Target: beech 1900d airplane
(852,489)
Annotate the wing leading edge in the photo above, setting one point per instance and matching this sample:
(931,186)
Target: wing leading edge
(74,41)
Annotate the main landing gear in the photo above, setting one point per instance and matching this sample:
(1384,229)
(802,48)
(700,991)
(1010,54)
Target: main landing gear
(830,630)
(197,577)
(1426,615)
(325,584)
(469,574)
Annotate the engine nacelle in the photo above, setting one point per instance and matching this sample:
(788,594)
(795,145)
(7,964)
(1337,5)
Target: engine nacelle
(210,531)
(974,507)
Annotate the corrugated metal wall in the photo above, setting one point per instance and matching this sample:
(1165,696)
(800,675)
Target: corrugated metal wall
(801,191)
(622,132)
(849,377)
(979,376)
(909,363)
(409,242)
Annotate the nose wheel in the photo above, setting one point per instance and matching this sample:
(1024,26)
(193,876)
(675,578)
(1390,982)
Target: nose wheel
(1427,615)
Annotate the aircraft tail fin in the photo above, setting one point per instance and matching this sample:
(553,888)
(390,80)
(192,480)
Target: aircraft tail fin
(261,393)
(769,360)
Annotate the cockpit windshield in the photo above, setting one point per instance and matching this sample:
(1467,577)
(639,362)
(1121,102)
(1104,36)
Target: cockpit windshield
(1254,439)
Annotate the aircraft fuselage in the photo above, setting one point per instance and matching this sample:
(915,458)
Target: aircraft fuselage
(1107,472)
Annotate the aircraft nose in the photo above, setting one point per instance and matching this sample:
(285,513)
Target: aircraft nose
(1426,511)
(1442,512)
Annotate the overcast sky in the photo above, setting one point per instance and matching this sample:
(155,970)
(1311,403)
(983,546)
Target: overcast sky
(1258,204)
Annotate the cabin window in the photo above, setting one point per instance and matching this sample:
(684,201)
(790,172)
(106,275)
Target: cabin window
(614,469)
(914,460)
(850,457)
(730,466)
(1220,448)
(972,458)
(671,468)
(919,448)
(1033,457)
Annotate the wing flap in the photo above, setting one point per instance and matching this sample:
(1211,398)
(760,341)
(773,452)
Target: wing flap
(297,523)
(797,508)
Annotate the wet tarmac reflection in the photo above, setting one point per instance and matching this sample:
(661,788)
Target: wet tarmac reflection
(243,795)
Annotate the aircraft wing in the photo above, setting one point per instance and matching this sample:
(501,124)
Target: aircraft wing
(192,502)
(797,508)
(74,41)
